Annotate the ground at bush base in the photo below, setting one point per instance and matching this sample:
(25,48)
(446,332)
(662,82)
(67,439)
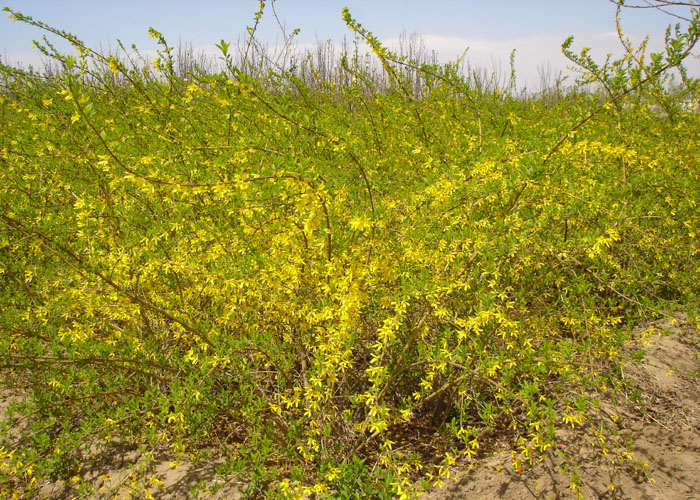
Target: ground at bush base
(666,436)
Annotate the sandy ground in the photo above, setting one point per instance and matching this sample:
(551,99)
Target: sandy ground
(129,473)
(665,435)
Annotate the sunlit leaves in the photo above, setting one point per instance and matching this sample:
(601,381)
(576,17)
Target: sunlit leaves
(314,269)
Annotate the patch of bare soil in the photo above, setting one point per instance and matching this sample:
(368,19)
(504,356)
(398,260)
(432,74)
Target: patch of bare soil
(126,472)
(662,429)
(130,474)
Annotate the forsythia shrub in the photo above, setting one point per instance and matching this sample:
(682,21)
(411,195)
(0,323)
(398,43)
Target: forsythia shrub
(337,284)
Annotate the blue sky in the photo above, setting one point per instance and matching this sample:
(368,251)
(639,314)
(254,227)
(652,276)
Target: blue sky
(491,29)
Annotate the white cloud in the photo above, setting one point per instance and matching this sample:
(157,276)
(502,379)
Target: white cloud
(24,59)
(534,54)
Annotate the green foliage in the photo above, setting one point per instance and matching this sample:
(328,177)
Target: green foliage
(348,288)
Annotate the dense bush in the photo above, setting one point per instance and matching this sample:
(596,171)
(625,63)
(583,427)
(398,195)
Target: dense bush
(353,279)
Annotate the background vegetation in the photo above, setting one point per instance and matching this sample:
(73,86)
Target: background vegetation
(344,273)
